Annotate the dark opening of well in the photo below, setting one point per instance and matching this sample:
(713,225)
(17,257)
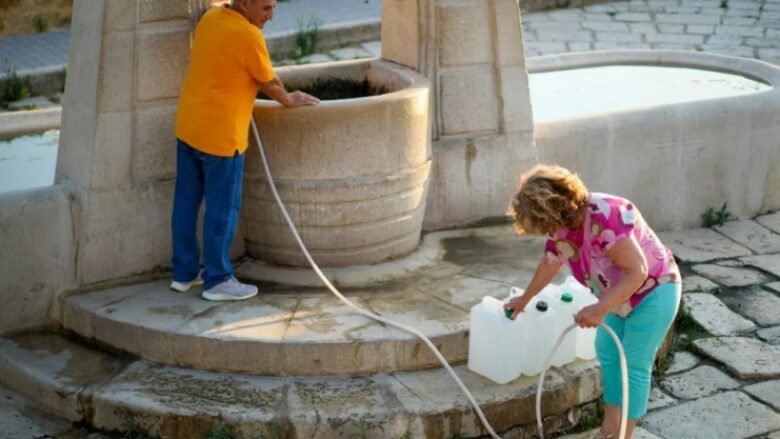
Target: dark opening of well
(328,89)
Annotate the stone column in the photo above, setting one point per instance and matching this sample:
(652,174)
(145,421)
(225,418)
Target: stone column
(473,54)
(127,61)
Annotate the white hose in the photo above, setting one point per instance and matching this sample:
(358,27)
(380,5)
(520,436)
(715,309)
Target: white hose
(357,309)
(425,339)
(623,377)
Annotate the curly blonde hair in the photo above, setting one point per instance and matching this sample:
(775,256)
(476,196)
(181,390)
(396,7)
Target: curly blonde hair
(549,198)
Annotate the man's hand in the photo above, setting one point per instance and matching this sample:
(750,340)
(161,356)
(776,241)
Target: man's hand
(591,316)
(299,99)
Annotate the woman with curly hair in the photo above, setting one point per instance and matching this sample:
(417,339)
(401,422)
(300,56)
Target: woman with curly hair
(609,248)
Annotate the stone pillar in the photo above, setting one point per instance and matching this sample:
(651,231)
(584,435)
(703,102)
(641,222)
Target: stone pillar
(473,54)
(127,61)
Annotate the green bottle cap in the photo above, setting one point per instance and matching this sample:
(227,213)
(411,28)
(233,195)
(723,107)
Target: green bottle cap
(567,297)
(508,312)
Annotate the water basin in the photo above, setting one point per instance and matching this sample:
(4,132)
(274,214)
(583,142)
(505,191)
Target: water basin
(28,161)
(576,92)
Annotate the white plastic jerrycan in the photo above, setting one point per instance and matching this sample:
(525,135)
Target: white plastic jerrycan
(537,336)
(494,342)
(565,308)
(586,338)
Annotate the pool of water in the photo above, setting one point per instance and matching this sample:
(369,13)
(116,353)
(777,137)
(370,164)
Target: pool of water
(28,161)
(577,92)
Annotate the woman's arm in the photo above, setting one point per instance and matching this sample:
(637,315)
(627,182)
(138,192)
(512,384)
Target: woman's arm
(545,273)
(628,256)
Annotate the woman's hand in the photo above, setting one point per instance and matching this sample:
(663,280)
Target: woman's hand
(591,316)
(517,305)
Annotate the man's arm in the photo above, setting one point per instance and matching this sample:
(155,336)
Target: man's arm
(276,91)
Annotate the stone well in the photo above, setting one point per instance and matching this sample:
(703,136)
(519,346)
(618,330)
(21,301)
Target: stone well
(353,173)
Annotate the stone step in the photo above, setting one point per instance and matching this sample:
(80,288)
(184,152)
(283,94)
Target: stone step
(76,382)
(298,330)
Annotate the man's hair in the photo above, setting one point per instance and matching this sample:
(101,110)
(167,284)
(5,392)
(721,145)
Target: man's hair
(548,198)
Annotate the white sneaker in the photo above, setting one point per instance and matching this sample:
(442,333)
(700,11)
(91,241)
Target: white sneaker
(183,287)
(231,289)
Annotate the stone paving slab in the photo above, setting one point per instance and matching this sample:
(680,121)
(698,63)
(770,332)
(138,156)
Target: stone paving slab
(760,306)
(751,235)
(658,399)
(770,335)
(771,221)
(701,245)
(53,371)
(730,276)
(697,383)
(768,392)
(682,361)
(19,420)
(304,330)
(770,264)
(709,312)
(746,358)
(731,415)
(698,284)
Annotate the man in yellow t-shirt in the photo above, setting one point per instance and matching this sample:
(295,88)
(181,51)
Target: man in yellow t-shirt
(229,63)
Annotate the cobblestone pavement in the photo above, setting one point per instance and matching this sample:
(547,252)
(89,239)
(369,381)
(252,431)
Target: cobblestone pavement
(731,27)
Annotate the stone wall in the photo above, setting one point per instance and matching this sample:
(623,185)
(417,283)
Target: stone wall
(473,54)
(18,17)
(37,237)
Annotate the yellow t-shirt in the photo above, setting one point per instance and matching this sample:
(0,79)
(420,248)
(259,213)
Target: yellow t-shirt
(229,59)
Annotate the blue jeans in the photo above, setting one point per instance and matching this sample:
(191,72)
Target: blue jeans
(218,180)
(641,334)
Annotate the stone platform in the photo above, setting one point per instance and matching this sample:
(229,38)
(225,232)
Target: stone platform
(294,362)
(300,330)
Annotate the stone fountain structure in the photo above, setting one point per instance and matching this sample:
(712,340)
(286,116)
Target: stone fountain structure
(90,335)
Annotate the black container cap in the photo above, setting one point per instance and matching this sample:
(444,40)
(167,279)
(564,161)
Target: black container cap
(541,306)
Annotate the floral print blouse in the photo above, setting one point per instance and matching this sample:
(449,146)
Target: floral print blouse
(611,219)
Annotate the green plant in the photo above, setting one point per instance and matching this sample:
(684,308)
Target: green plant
(713,217)
(40,24)
(407,435)
(15,87)
(219,431)
(362,425)
(307,36)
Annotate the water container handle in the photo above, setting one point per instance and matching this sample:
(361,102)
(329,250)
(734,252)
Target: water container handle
(514,291)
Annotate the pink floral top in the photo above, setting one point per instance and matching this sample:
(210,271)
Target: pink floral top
(611,219)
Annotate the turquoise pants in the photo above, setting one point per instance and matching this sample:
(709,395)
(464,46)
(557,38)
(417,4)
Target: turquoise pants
(641,334)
